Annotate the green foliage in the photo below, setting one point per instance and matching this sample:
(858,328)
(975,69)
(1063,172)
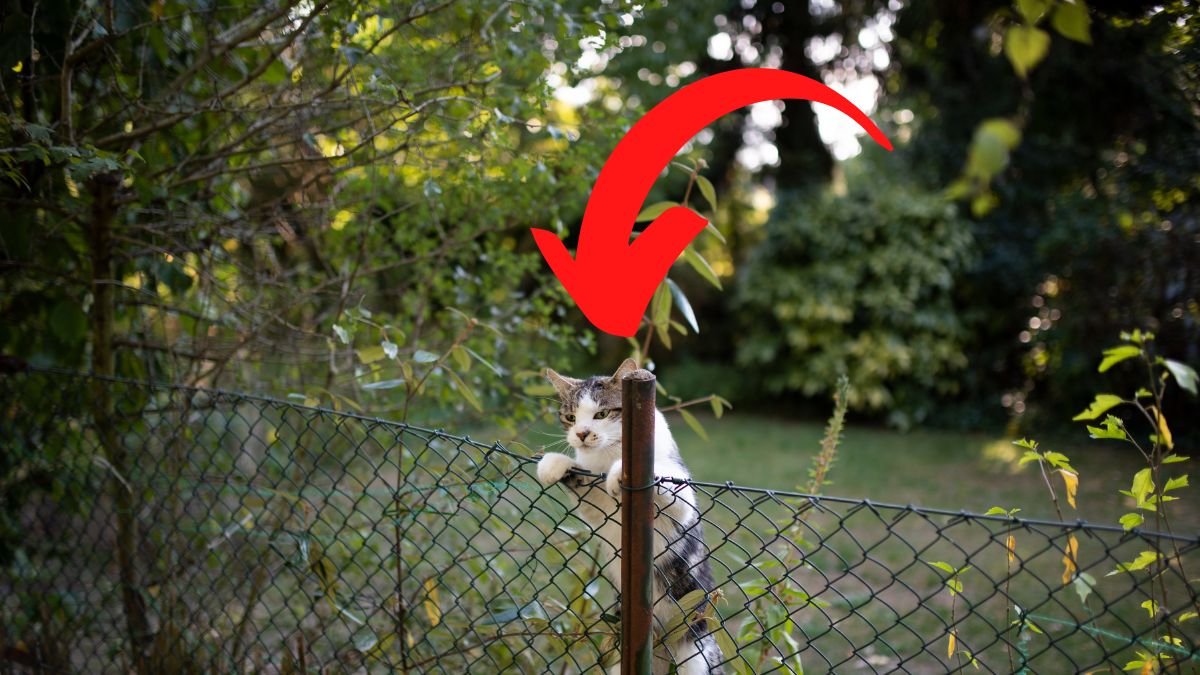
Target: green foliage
(1025,45)
(858,285)
(336,194)
(1088,226)
(1150,485)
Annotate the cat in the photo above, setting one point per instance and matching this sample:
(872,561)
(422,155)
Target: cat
(590,413)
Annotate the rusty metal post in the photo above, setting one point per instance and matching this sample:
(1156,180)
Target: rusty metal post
(637,522)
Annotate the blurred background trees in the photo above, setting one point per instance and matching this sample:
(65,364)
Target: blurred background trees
(331,199)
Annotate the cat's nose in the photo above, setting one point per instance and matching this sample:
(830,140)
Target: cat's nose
(582,435)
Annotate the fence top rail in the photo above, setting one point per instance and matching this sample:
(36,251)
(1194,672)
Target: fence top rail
(767,494)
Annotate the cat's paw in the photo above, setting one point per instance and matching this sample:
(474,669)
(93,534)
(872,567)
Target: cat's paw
(553,467)
(612,483)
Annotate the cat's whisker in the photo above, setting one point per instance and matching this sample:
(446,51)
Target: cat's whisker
(545,433)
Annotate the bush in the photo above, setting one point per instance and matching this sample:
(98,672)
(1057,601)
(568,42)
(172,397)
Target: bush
(859,284)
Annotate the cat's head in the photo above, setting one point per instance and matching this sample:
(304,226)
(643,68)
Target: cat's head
(590,409)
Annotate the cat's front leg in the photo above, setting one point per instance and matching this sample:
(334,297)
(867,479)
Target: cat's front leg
(553,467)
(612,482)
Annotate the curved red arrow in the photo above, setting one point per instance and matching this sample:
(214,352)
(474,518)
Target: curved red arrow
(612,280)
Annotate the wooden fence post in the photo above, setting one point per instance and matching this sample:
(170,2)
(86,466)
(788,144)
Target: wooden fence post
(637,522)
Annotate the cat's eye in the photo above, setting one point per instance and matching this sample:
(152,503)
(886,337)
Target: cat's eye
(569,417)
(602,414)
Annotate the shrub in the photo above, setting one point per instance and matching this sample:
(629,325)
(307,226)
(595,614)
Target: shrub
(857,285)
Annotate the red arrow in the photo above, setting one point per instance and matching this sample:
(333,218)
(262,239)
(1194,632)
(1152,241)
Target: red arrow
(612,280)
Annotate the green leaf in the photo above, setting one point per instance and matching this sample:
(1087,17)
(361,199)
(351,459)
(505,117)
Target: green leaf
(728,648)
(989,152)
(383,384)
(1112,429)
(390,349)
(1071,20)
(653,211)
(701,265)
(944,566)
(661,305)
(1131,520)
(461,358)
(1003,129)
(1084,583)
(663,330)
(1143,485)
(1144,559)
(717,408)
(1058,460)
(1025,47)
(487,364)
(1175,483)
(371,354)
(693,423)
(342,334)
(1151,607)
(1032,10)
(1029,456)
(984,202)
(685,307)
(1116,355)
(706,189)
(690,602)
(1172,459)
(1185,375)
(465,391)
(1099,406)
(712,229)
(422,356)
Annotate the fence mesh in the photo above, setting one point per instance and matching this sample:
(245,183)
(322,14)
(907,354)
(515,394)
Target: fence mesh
(266,536)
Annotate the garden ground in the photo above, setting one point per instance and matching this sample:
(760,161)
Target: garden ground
(938,469)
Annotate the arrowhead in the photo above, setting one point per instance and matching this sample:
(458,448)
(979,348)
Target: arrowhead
(613,290)
(590,285)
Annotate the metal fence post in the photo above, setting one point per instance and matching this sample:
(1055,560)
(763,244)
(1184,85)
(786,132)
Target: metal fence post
(637,522)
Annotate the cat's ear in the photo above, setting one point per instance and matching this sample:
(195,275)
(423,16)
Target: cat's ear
(627,366)
(563,385)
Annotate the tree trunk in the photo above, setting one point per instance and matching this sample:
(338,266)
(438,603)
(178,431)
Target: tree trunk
(103,366)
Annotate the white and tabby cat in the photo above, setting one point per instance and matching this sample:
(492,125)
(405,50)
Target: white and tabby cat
(590,413)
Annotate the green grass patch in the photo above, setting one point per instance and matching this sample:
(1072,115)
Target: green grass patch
(940,469)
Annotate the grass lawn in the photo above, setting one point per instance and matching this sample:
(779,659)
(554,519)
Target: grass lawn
(940,469)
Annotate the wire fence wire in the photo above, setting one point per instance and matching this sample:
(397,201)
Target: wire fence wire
(271,537)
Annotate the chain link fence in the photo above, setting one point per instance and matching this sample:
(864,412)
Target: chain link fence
(268,537)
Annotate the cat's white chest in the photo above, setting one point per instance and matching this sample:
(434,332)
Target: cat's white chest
(603,515)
